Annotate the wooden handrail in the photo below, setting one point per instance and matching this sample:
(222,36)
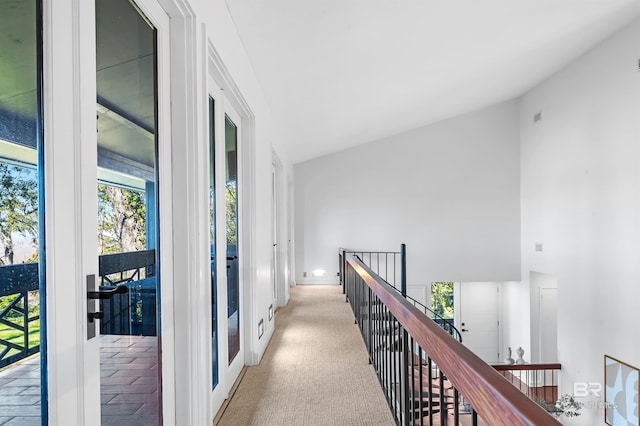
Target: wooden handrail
(488,392)
(527,367)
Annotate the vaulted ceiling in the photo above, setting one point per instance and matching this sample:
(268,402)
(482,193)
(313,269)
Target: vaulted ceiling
(339,73)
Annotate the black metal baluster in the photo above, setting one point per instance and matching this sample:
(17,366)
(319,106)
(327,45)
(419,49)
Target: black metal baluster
(387,336)
(443,399)
(355,297)
(430,393)
(25,323)
(394,380)
(404,379)
(370,331)
(456,407)
(412,383)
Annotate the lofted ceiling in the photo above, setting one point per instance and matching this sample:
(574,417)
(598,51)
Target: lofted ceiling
(337,74)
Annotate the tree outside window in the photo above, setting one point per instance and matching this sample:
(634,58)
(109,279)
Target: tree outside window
(442,298)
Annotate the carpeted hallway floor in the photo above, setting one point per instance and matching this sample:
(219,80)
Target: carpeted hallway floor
(314,372)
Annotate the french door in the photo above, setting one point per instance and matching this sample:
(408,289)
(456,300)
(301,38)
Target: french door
(129,282)
(108,177)
(225,206)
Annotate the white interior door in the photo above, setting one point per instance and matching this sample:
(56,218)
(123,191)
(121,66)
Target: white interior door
(275,265)
(548,325)
(478,313)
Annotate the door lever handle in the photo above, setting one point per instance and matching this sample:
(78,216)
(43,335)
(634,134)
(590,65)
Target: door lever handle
(95,315)
(464,329)
(107,294)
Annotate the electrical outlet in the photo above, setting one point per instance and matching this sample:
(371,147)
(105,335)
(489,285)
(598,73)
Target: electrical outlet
(260,328)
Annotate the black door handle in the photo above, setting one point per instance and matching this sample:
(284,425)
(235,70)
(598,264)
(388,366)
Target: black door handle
(464,329)
(107,294)
(95,315)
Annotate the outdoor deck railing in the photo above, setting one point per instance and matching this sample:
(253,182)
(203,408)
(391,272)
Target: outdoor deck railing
(17,320)
(131,313)
(427,376)
(134,312)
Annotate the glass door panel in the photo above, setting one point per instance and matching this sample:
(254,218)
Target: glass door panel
(127,192)
(233,279)
(212,245)
(23,392)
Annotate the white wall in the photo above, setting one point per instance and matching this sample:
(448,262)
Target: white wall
(581,199)
(450,191)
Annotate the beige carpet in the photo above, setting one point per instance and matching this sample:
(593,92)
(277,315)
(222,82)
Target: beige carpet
(314,372)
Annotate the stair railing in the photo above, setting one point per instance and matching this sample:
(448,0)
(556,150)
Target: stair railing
(538,381)
(427,376)
(388,266)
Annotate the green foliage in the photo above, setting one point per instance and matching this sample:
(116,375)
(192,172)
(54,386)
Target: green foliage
(18,208)
(121,220)
(442,299)
(212,215)
(15,317)
(232,212)
(17,337)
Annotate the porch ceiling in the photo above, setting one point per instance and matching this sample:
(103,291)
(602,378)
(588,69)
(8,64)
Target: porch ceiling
(340,73)
(125,78)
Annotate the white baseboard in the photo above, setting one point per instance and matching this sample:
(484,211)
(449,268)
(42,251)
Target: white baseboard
(316,282)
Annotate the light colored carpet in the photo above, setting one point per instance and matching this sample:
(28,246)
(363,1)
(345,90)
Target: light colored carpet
(315,370)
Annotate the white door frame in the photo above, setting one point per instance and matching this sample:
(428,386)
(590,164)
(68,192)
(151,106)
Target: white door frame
(219,394)
(69,93)
(232,370)
(247,217)
(160,20)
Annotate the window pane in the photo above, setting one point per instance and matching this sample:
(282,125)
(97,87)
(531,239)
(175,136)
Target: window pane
(212,245)
(22,289)
(127,215)
(233,284)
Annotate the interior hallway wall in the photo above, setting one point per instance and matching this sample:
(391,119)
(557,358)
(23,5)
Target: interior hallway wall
(450,191)
(581,200)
